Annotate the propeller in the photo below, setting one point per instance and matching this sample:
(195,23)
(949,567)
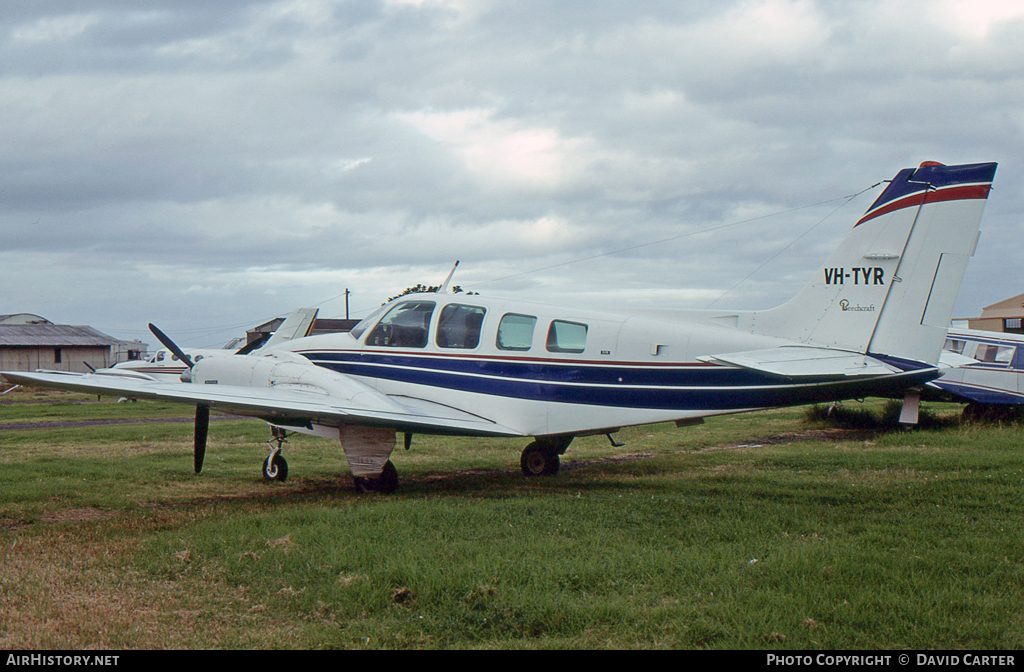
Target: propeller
(202,425)
(202,430)
(170,345)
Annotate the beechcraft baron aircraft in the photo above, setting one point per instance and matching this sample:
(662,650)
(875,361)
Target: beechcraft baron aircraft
(871,322)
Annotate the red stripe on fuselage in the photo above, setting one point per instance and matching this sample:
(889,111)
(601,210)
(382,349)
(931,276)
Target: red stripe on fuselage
(433,354)
(959,193)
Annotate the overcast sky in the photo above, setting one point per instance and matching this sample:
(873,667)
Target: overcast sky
(209,165)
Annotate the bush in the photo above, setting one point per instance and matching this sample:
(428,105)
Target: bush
(872,417)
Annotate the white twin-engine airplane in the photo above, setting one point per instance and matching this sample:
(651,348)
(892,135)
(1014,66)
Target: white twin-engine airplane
(871,322)
(986,370)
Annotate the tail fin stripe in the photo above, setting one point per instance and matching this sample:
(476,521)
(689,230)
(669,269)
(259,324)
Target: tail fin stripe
(957,193)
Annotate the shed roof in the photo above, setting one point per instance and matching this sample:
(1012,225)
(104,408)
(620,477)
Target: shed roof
(23,318)
(52,335)
(1014,303)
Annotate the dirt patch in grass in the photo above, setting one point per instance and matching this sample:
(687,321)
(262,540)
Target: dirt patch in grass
(77,515)
(65,516)
(828,435)
(567,465)
(14,426)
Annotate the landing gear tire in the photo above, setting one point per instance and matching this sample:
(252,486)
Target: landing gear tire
(539,461)
(275,468)
(385,484)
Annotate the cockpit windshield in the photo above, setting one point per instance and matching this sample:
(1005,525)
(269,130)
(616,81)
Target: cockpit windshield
(364,324)
(404,326)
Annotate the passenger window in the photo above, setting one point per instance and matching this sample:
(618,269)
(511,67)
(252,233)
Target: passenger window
(404,326)
(954,345)
(515,332)
(567,337)
(459,326)
(994,354)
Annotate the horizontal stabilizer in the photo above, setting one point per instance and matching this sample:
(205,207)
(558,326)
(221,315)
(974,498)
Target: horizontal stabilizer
(806,362)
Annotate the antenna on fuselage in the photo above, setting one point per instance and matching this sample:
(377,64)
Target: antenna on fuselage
(444,285)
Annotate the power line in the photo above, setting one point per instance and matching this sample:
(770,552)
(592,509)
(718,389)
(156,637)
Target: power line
(682,235)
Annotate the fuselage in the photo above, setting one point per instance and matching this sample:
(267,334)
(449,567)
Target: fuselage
(542,369)
(162,365)
(996,376)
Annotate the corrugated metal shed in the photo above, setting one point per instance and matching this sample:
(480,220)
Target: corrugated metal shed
(23,318)
(51,336)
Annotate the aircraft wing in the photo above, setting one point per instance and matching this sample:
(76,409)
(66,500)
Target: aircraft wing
(800,361)
(290,404)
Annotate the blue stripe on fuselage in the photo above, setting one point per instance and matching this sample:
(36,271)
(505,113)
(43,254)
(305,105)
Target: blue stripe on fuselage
(984,395)
(678,387)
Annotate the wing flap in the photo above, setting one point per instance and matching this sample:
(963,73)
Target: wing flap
(806,362)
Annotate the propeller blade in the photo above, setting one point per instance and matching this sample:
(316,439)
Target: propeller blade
(169,344)
(202,429)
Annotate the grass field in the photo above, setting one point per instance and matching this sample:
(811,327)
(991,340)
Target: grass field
(766,530)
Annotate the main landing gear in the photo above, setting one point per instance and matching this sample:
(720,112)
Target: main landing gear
(275,467)
(385,484)
(541,458)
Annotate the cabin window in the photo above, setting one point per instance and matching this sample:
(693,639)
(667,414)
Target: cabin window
(459,326)
(515,332)
(404,326)
(567,337)
(994,354)
(364,324)
(955,345)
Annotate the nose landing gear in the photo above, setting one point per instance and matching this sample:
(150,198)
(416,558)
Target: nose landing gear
(275,467)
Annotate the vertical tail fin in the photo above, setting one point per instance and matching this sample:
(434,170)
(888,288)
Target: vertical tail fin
(296,325)
(890,286)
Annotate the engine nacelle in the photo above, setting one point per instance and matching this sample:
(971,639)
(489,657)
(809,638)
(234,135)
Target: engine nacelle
(282,370)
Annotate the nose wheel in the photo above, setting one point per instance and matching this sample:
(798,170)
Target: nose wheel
(275,467)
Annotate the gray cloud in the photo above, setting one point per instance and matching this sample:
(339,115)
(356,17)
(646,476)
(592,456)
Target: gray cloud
(213,164)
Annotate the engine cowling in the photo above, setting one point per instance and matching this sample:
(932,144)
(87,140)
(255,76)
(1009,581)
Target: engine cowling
(283,370)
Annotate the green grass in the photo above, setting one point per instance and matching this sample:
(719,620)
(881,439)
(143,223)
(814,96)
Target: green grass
(765,530)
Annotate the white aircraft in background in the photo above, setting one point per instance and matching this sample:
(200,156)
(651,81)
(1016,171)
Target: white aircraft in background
(871,322)
(986,370)
(165,365)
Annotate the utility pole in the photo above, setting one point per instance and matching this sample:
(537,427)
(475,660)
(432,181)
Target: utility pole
(346,302)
